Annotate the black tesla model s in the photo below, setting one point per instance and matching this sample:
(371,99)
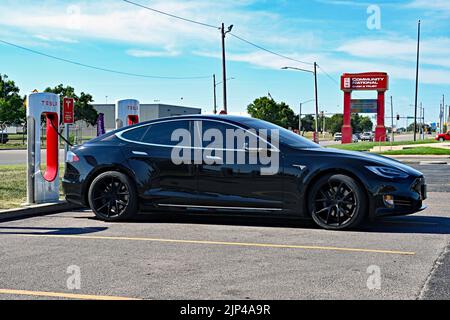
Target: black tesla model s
(235,165)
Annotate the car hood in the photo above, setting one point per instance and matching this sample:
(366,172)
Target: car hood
(374,159)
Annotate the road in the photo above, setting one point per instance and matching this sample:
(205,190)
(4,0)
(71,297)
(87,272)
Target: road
(397,138)
(12,157)
(224,257)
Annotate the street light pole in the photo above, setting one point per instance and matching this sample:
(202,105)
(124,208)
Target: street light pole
(300,127)
(392,120)
(224,67)
(316,132)
(316,138)
(417,82)
(215,94)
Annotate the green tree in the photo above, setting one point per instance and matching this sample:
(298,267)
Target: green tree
(335,123)
(361,123)
(12,109)
(84,110)
(278,113)
(308,123)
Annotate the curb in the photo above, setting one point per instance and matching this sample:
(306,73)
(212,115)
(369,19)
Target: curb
(37,210)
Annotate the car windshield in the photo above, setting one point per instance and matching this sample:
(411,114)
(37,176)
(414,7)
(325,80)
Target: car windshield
(286,136)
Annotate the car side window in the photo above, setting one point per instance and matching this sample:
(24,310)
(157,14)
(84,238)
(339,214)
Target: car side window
(161,133)
(209,131)
(135,134)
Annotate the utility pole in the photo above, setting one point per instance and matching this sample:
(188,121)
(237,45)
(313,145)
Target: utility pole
(224,67)
(316,137)
(215,94)
(392,120)
(446,117)
(324,123)
(300,119)
(417,82)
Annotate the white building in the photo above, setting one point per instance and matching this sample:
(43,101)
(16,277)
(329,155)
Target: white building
(148,112)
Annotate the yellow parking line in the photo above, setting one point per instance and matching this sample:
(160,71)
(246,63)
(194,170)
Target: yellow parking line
(243,244)
(61,295)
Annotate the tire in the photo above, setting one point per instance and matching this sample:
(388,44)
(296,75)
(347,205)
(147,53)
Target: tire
(337,202)
(441,140)
(113,197)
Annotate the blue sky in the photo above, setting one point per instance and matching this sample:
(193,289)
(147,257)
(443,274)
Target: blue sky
(116,35)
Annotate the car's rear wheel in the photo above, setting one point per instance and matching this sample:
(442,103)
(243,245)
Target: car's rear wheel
(113,197)
(337,202)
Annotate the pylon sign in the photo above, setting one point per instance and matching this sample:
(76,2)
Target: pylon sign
(128,112)
(43,182)
(373,81)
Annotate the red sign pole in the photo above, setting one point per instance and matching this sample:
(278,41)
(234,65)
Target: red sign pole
(68,119)
(68,111)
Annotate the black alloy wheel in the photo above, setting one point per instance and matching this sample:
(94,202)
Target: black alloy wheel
(112,197)
(337,202)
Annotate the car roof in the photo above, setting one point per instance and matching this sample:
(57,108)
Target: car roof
(240,120)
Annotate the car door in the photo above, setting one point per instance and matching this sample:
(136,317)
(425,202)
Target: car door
(162,180)
(232,184)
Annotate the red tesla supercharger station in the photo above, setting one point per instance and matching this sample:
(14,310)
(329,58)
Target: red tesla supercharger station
(128,112)
(373,81)
(42,186)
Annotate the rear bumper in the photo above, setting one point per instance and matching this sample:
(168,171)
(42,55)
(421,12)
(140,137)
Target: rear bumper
(73,192)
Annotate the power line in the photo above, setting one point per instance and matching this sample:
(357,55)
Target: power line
(270,51)
(172,15)
(232,34)
(329,76)
(100,68)
(211,26)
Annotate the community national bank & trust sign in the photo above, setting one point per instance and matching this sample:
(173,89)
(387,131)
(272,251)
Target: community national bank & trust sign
(368,81)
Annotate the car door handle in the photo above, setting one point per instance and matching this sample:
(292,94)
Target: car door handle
(214,158)
(140,153)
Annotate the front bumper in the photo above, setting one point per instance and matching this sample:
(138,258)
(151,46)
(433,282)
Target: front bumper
(408,198)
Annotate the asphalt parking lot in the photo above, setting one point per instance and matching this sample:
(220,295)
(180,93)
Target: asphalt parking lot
(198,257)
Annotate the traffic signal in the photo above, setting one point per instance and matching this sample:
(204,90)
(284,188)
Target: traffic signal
(398,117)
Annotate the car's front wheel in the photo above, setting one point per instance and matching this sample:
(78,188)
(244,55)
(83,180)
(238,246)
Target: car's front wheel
(337,202)
(113,197)
(441,140)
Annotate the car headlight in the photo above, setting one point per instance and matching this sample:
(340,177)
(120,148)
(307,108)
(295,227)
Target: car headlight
(388,172)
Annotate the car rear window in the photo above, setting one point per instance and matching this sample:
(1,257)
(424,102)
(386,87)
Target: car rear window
(135,134)
(161,133)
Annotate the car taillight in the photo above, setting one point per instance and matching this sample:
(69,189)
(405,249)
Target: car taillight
(72,157)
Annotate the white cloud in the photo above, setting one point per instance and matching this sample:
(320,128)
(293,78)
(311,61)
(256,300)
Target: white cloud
(435,5)
(339,65)
(151,54)
(434,51)
(50,38)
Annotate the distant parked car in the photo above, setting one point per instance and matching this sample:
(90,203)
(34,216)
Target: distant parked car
(367,136)
(4,138)
(443,137)
(355,138)
(338,136)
